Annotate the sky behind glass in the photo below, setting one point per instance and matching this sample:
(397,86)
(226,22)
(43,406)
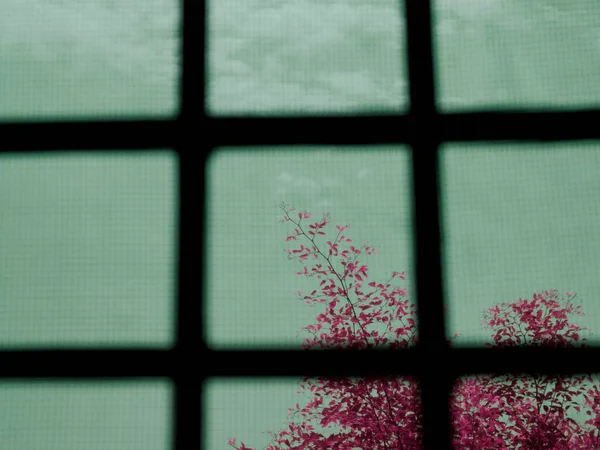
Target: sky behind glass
(518,218)
(75,58)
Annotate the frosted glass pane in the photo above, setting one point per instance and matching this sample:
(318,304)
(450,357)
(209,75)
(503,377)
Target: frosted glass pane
(91,415)
(74,58)
(520,219)
(87,248)
(306,56)
(246,409)
(498,54)
(252,287)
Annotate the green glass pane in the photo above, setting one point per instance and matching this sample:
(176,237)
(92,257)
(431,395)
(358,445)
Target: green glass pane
(508,54)
(310,56)
(520,219)
(248,409)
(87,248)
(251,286)
(69,58)
(92,415)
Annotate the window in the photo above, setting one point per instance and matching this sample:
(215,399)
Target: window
(193,134)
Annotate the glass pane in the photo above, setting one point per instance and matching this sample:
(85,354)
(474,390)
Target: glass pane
(252,287)
(520,220)
(90,415)
(87,249)
(248,409)
(71,58)
(301,57)
(515,54)
(526,411)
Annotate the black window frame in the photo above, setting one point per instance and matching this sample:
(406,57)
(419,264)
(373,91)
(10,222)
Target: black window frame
(193,134)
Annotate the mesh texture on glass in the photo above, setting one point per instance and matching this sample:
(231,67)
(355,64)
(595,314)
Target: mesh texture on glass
(95,415)
(520,219)
(87,248)
(72,58)
(306,57)
(509,54)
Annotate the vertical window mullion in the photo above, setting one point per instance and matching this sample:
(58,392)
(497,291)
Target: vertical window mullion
(435,387)
(192,140)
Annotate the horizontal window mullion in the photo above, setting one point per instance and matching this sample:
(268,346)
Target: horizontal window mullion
(415,362)
(339,130)
(453,362)
(92,135)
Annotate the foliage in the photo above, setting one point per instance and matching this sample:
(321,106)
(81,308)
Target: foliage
(488,411)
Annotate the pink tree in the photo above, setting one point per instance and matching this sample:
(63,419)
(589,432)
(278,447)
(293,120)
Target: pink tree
(524,411)
(488,411)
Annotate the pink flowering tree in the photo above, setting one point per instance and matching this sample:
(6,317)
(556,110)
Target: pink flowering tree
(488,411)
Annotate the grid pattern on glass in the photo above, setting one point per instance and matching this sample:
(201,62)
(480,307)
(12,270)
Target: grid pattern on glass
(252,287)
(186,411)
(306,56)
(245,409)
(259,412)
(80,59)
(519,220)
(87,249)
(85,414)
(499,54)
